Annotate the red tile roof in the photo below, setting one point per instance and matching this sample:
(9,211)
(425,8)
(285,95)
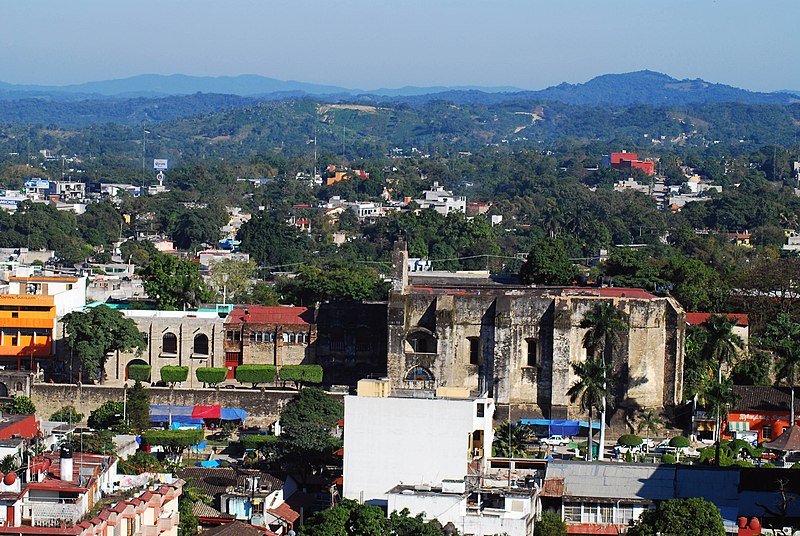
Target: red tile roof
(285,512)
(695,319)
(278,314)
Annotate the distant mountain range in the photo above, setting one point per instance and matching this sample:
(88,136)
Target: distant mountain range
(641,87)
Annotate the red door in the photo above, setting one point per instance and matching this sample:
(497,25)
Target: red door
(232,360)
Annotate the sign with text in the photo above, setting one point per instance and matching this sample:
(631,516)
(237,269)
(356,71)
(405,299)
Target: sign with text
(160,163)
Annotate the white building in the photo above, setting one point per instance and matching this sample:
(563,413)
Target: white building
(391,441)
(68,190)
(441,200)
(480,512)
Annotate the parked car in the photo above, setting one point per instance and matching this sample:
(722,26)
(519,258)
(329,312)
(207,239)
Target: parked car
(624,449)
(556,440)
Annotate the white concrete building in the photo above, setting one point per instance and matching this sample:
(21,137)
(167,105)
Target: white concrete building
(479,513)
(406,441)
(441,200)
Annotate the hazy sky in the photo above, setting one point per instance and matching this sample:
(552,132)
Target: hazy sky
(373,43)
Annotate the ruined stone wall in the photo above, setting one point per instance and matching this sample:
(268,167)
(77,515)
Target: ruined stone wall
(185,330)
(647,361)
(263,406)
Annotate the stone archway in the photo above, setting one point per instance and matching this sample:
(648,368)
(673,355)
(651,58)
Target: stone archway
(133,362)
(3,390)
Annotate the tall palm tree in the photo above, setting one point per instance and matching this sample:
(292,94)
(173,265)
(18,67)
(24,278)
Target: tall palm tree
(649,423)
(719,349)
(591,389)
(605,324)
(782,337)
(509,440)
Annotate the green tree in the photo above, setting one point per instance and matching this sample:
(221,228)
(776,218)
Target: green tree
(591,388)
(680,517)
(301,374)
(509,440)
(172,375)
(108,416)
(67,414)
(720,348)
(604,324)
(306,441)
(350,518)
(139,372)
(20,405)
(782,337)
(190,495)
(271,241)
(260,293)
(173,441)
(8,463)
(140,462)
(211,375)
(649,423)
(629,440)
(255,374)
(139,408)
(94,333)
(548,264)
(336,281)
(195,228)
(99,442)
(550,524)
(231,278)
(138,252)
(174,283)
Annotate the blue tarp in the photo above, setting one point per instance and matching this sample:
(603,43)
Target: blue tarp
(559,427)
(233,414)
(564,428)
(190,423)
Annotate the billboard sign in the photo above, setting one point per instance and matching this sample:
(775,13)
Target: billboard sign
(160,164)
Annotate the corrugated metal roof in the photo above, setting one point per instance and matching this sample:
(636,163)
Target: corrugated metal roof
(614,481)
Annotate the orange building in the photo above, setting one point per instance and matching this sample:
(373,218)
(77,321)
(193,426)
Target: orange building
(28,316)
(27,328)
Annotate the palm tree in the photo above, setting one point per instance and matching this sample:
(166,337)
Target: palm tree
(783,337)
(591,389)
(649,423)
(509,440)
(720,348)
(605,325)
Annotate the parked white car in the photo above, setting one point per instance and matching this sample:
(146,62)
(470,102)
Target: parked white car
(556,440)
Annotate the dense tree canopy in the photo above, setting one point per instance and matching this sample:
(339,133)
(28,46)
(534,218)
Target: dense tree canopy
(93,333)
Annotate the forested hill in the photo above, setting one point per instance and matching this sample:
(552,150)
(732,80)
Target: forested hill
(230,126)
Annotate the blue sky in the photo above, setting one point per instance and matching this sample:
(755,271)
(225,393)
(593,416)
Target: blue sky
(379,43)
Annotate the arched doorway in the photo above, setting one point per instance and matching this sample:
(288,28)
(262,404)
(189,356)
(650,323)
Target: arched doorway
(133,362)
(3,389)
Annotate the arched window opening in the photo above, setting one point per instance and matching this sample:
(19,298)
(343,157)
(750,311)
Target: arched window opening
(200,344)
(169,344)
(421,342)
(419,374)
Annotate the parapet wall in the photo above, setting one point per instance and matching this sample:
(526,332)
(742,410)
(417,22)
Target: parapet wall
(263,407)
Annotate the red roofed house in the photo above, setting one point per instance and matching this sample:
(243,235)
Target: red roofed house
(626,160)
(740,328)
(269,335)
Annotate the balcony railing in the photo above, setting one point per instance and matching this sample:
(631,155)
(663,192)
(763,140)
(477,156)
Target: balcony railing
(51,514)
